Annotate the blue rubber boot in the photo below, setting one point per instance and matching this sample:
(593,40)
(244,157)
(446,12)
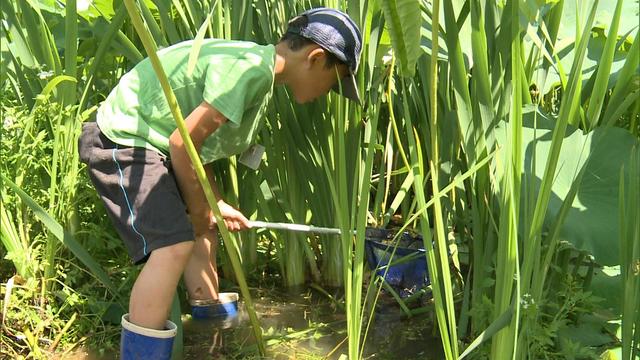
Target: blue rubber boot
(138,343)
(226,306)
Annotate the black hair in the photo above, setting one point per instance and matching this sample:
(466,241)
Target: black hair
(296,41)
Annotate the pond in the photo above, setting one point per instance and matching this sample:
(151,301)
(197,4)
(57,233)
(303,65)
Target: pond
(308,325)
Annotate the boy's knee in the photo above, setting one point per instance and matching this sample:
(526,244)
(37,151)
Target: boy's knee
(179,252)
(205,245)
(208,239)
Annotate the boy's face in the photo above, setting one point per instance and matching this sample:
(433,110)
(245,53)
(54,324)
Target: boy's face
(314,79)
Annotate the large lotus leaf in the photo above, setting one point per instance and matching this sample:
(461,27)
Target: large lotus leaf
(592,223)
(607,284)
(604,13)
(565,44)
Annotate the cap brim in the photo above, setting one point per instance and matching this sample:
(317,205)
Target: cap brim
(349,89)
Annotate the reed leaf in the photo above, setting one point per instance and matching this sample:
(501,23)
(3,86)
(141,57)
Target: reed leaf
(507,291)
(403,18)
(20,45)
(434,166)
(182,16)
(40,39)
(470,128)
(361,217)
(25,62)
(481,82)
(596,100)
(499,323)
(51,85)
(629,197)
(628,83)
(167,22)
(70,50)
(152,26)
(433,264)
(197,43)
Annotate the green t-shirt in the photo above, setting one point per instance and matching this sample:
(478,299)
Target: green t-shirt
(235,77)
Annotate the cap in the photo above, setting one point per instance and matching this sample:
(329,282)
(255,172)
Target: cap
(335,32)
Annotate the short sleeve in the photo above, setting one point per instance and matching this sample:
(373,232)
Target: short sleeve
(233,85)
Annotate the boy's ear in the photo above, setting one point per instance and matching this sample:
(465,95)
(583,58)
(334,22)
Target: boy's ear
(315,55)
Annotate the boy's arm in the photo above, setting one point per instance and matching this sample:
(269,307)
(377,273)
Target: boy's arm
(201,123)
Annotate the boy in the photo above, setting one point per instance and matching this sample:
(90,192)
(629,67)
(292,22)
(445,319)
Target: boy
(138,163)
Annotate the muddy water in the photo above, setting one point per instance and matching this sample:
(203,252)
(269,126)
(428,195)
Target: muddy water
(306,325)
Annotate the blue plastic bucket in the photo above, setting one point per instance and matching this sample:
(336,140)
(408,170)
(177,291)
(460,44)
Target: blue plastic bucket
(408,270)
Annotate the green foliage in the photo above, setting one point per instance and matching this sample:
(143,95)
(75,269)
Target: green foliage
(562,328)
(41,324)
(36,156)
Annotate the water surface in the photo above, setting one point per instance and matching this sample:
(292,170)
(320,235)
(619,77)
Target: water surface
(307,325)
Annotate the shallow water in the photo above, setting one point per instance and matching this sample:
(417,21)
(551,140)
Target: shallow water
(305,325)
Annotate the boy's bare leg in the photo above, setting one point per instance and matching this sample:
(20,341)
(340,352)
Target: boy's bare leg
(200,274)
(153,291)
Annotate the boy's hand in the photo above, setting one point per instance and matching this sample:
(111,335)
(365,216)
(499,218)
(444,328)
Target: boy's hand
(233,218)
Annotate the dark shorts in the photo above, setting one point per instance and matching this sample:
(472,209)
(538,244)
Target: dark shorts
(139,191)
